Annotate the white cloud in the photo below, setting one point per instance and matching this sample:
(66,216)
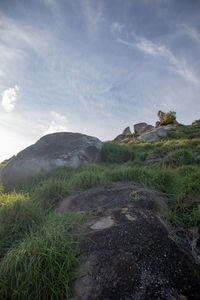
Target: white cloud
(9,98)
(176,65)
(58,123)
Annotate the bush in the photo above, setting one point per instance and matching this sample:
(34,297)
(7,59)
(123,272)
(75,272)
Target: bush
(114,153)
(41,267)
(178,158)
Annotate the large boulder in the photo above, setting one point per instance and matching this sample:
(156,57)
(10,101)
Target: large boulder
(155,134)
(129,251)
(141,128)
(52,150)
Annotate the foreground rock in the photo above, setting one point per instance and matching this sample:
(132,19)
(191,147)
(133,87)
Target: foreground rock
(128,251)
(141,128)
(155,134)
(52,150)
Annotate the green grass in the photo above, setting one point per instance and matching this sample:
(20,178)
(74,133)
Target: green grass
(114,153)
(18,217)
(178,158)
(39,247)
(42,265)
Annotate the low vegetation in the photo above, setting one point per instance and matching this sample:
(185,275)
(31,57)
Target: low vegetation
(39,246)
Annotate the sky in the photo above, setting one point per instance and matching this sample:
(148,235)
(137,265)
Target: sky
(95,66)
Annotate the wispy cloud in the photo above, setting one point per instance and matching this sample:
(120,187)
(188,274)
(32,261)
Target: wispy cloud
(116,27)
(93,13)
(192,33)
(175,64)
(9,98)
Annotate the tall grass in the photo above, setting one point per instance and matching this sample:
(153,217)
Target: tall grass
(42,266)
(18,217)
(39,247)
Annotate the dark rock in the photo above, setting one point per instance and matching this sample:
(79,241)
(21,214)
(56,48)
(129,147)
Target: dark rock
(128,251)
(52,150)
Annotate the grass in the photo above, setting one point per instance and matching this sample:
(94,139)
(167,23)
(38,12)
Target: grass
(18,217)
(39,247)
(42,265)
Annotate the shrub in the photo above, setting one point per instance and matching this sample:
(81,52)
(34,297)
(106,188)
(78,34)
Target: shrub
(114,153)
(179,157)
(41,267)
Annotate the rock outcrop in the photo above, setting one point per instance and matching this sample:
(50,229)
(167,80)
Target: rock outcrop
(128,251)
(166,118)
(126,131)
(122,136)
(155,133)
(141,128)
(52,150)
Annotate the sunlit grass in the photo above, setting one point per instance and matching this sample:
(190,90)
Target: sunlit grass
(42,265)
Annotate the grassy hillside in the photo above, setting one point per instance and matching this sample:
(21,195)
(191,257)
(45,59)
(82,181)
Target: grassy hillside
(39,246)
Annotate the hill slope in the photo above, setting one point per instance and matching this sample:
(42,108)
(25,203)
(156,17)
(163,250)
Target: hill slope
(37,235)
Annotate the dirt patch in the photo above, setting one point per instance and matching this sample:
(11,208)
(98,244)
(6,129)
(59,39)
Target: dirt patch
(132,255)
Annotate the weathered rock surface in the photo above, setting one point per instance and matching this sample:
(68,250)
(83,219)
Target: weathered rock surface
(52,150)
(167,118)
(141,128)
(119,138)
(126,131)
(155,133)
(122,136)
(128,252)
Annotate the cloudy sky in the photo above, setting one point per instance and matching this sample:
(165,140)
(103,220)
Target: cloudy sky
(95,66)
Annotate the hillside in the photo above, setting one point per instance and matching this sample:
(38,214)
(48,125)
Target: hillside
(35,236)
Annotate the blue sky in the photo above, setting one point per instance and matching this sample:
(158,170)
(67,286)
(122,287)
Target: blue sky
(95,67)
